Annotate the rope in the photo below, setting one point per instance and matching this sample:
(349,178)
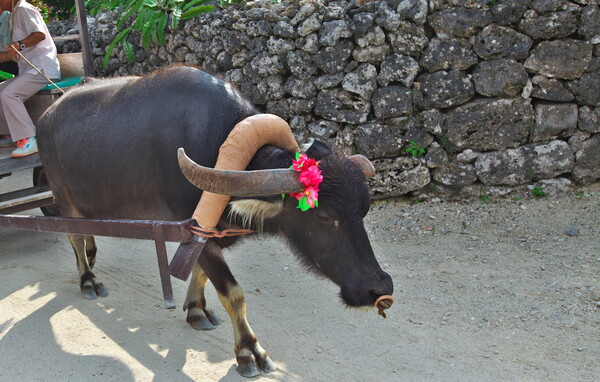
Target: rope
(212,233)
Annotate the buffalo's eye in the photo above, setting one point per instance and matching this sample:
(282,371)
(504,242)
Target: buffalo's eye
(324,218)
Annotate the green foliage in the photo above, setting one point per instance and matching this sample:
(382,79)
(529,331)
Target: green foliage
(60,9)
(538,192)
(148,17)
(415,149)
(485,199)
(54,9)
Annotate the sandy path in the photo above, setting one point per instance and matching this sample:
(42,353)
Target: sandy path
(485,292)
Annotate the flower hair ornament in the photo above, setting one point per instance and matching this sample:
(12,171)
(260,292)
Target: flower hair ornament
(310,176)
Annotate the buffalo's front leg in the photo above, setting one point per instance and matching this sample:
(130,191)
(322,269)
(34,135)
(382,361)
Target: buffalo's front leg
(249,354)
(85,253)
(198,316)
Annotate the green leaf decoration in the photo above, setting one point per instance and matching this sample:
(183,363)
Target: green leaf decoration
(303,204)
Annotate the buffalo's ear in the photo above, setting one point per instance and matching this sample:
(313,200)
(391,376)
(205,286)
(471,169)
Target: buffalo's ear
(253,212)
(269,157)
(317,150)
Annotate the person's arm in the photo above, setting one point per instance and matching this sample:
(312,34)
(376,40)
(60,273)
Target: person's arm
(29,41)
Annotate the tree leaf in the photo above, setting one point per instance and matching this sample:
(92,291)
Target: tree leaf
(192,3)
(120,37)
(152,4)
(141,19)
(129,51)
(175,18)
(125,16)
(161,28)
(147,35)
(190,14)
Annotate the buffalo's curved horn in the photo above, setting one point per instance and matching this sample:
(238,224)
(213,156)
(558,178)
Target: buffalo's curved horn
(239,183)
(363,164)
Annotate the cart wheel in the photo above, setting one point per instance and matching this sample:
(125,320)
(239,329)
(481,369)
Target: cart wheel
(40,180)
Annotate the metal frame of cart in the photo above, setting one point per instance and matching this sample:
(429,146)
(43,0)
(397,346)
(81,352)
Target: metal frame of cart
(40,195)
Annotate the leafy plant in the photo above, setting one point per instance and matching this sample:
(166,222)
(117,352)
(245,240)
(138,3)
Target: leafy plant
(60,9)
(538,192)
(148,17)
(485,199)
(415,150)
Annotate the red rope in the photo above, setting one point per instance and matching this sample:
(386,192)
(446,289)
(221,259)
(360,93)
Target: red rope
(214,233)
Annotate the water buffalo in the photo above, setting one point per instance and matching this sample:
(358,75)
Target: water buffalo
(109,148)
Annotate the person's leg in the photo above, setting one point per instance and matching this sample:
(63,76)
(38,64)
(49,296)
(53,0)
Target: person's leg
(3,124)
(12,98)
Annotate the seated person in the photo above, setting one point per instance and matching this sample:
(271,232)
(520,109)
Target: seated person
(30,39)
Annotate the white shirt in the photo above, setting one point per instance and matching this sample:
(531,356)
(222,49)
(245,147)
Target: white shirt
(25,20)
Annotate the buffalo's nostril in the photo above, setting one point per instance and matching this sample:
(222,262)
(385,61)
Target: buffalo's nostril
(382,293)
(383,286)
(379,292)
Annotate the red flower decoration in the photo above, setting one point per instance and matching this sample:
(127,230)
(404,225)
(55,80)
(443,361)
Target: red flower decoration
(310,176)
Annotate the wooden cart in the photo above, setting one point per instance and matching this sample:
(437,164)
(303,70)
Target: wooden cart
(40,195)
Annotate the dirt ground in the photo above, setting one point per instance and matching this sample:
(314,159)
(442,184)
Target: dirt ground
(507,290)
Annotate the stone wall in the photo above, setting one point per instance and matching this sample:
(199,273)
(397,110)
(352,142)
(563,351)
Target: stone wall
(500,94)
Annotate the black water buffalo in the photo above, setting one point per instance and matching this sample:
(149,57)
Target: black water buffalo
(109,148)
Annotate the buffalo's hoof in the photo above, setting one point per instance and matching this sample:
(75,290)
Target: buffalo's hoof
(250,366)
(248,370)
(92,289)
(267,365)
(203,319)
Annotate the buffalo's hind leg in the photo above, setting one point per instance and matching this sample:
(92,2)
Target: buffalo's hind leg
(85,253)
(249,354)
(198,316)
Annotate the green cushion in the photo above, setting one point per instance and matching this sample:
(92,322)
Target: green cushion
(64,83)
(5,76)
